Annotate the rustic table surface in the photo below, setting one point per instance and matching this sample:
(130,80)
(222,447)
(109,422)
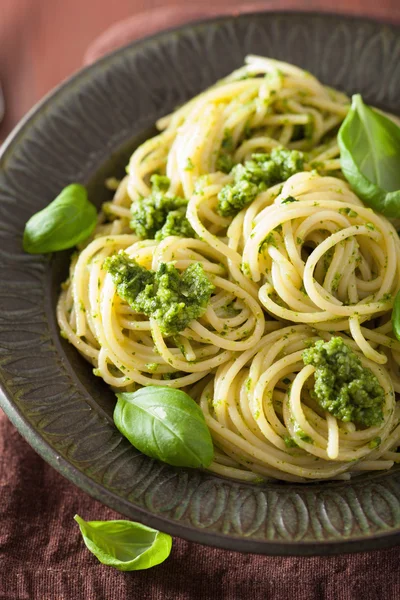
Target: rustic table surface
(42,556)
(44,41)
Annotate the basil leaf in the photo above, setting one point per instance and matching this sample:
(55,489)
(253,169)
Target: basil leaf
(369,146)
(125,545)
(65,222)
(166,424)
(396,316)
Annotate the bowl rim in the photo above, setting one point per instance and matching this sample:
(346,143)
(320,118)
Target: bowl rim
(81,479)
(84,69)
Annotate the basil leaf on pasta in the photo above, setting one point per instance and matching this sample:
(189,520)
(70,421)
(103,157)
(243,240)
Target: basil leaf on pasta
(65,222)
(166,424)
(125,545)
(370,157)
(396,316)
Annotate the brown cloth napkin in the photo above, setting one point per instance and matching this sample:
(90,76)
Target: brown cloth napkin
(42,555)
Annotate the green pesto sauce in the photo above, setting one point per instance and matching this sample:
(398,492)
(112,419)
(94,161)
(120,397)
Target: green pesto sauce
(349,212)
(327,259)
(256,175)
(343,387)
(289,442)
(157,216)
(269,240)
(170,297)
(289,200)
(335,281)
(189,165)
(374,443)
(152,367)
(175,375)
(225,160)
(302,435)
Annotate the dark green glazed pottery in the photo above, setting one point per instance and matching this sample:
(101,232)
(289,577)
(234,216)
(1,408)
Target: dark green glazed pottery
(84,132)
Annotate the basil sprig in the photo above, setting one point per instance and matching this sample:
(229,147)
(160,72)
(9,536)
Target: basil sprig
(125,545)
(369,146)
(65,222)
(165,424)
(396,316)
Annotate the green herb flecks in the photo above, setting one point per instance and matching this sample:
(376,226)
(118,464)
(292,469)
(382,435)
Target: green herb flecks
(290,442)
(189,165)
(289,200)
(375,443)
(302,435)
(225,160)
(349,212)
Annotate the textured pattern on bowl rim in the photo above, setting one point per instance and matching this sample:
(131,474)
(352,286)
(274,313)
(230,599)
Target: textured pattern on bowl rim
(50,395)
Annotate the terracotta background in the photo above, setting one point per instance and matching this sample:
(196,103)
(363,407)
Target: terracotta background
(44,41)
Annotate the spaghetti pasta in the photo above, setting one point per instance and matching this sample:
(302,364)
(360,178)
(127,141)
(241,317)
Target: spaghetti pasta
(303,261)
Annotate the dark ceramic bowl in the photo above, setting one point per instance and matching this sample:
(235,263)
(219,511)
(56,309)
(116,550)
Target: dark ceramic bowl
(84,131)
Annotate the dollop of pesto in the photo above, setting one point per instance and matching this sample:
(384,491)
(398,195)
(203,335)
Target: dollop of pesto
(343,387)
(256,175)
(158,215)
(171,297)
(232,198)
